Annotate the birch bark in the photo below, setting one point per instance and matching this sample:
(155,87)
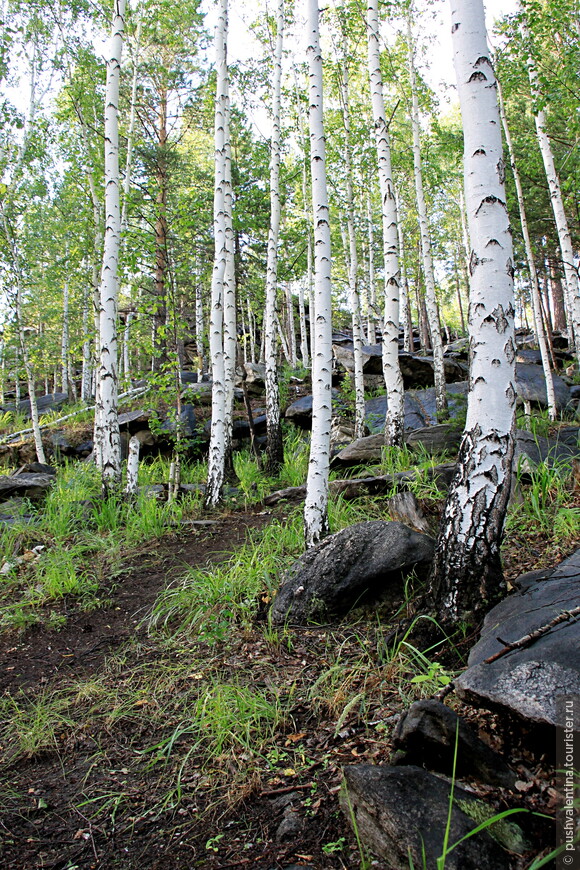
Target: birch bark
(466,575)
(426,254)
(354,296)
(536,299)
(110,440)
(571,282)
(216,459)
(316,504)
(274,444)
(394,422)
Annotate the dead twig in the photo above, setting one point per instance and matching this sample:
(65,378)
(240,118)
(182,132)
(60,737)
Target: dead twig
(528,639)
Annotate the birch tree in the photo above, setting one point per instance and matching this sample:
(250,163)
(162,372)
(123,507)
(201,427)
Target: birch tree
(466,575)
(571,281)
(426,254)
(316,504)
(394,422)
(107,407)
(274,446)
(217,445)
(535,286)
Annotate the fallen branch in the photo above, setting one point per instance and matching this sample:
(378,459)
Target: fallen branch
(361,486)
(528,639)
(7,439)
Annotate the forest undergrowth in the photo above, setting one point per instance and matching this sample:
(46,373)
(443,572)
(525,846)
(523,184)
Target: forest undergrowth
(153,716)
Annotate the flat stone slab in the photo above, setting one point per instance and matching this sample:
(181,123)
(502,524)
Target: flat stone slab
(32,486)
(528,681)
(403,810)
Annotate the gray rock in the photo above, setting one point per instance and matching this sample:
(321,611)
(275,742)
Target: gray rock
(60,444)
(36,468)
(539,449)
(200,393)
(187,420)
(531,386)
(255,378)
(188,377)
(403,810)
(45,404)
(528,355)
(133,420)
(426,736)
(528,681)
(442,438)
(32,486)
(300,411)
(420,408)
(363,451)
(85,448)
(363,562)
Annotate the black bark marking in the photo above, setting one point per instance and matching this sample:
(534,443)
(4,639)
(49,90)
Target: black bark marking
(491,200)
(482,59)
(473,262)
(492,242)
(510,351)
(501,170)
(511,394)
(510,268)
(498,317)
(477,77)
(479,151)
(455,27)
(496,363)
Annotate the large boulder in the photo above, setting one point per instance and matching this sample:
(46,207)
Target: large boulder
(536,448)
(363,562)
(402,812)
(254,375)
(32,486)
(530,680)
(420,407)
(417,370)
(300,411)
(187,421)
(531,386)
(44,404)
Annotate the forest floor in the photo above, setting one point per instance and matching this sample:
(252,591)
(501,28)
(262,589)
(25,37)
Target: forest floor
(104,765)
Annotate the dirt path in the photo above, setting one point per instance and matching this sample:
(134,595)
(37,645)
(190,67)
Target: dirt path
(82,644)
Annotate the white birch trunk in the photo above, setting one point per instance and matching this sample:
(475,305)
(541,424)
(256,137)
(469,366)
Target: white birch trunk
(110,441)
(354,296)
(127,348)
(230,321)
(316,504)
(571,282)
(536,299)
(408,340)
(217,445)
(274,445)
(394,422)
(199,323)
(466,573)
(428,270)
(64,341)
(306,205)
(132,467)
(87,357)
(291,326)
(372,300)
(131,130)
